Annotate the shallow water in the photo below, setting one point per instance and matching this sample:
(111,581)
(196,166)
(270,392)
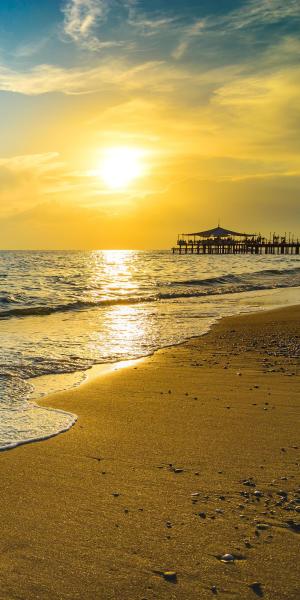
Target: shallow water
(63,312)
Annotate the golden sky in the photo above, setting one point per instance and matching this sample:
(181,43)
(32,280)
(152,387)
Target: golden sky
(125,122)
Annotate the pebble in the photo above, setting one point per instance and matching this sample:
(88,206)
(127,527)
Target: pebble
(256,587)
(178,470)
(227,558)
(170,576)
(249,483)
(116,494)
(202,515)
(262,526)
(258,494)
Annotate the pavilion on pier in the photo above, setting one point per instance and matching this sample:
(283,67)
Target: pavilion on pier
(225,241)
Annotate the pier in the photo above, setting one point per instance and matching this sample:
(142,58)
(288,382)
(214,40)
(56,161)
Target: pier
(224,241)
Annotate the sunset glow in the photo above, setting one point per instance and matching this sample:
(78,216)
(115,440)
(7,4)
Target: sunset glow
(131,121)
(120,166)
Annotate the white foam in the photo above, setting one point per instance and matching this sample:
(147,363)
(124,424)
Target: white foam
(33,423)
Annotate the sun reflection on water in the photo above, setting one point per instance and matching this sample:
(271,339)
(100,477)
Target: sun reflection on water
(126,331)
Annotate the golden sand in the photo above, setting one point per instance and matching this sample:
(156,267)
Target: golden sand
(192,454)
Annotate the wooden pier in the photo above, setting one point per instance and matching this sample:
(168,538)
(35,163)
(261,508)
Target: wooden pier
(224,241)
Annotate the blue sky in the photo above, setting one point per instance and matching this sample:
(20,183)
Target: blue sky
(32,30)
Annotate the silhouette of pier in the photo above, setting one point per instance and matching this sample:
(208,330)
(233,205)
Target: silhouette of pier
(225,241)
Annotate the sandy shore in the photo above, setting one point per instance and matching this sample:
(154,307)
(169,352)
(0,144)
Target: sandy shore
(189,455)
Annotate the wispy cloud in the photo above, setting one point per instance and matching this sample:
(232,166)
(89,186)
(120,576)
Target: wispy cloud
(190,33)
(81,19)
(29,50)
(261,12)
(155,75)
(251,14)
(38,163)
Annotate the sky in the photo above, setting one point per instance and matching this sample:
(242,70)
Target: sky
(125,122)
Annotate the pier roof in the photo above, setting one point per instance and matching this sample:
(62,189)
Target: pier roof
(219,232)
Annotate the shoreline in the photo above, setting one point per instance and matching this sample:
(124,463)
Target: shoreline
(153,477)
(40,399)
(98,369)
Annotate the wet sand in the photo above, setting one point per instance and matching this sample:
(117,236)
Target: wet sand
(189,455)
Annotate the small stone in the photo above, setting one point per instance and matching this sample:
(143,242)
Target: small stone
(116,494)
(256,587)
(262,526)
(177,470)
(202,515)
(214,589)
(249,483)
(294,525)
(227,558)
(170,576)
(195,494)
(258,494)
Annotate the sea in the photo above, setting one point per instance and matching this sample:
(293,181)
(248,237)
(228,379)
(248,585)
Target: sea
(63,313)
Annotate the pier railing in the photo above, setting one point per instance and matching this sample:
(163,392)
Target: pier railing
(278,245)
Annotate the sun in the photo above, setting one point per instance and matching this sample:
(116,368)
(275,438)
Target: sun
(120,166)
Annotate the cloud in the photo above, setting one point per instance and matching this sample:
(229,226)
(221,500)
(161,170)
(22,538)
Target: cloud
(24,179)
(40,163)
(113,74)
(261,12)
(190,33)
(31,49)
(251,14)
(81,19)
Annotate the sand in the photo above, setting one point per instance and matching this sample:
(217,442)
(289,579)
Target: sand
(188,455)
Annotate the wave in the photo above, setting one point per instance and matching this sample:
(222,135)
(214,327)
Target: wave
(31,311)
(223,279)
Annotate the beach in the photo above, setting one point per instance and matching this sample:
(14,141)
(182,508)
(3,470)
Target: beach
(181,458)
